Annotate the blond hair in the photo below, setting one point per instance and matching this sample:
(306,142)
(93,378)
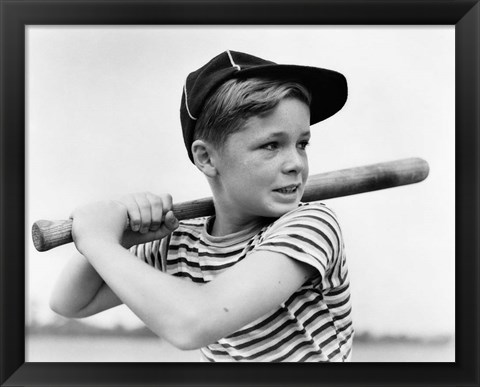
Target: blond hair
(235,101)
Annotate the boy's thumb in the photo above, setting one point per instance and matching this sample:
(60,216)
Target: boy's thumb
(171,221)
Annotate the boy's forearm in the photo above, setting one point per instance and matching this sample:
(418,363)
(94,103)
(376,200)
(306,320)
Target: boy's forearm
(76,287)
(166,304)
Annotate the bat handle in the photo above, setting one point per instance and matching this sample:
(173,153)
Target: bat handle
(47,234)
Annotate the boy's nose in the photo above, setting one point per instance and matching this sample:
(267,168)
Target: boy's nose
(294,162)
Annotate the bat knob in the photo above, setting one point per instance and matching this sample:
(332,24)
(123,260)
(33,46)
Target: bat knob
(47,234)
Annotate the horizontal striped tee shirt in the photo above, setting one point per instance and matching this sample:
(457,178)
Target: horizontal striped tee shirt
(313,325)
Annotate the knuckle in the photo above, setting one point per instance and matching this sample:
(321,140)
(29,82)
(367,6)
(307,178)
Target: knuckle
(167,200)
(153,198)
(134,221)
(144,207)
(157,201)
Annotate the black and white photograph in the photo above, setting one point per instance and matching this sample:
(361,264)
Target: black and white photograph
(239,193)
(104,123)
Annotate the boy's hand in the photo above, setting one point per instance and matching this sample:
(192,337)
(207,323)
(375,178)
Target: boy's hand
(150,217)
(98,223)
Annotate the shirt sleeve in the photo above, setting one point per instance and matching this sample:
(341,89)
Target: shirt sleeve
(310,234)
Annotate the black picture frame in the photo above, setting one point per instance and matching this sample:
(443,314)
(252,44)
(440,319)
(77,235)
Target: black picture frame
(17,14)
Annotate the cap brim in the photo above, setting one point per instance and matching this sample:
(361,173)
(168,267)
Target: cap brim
(328,88)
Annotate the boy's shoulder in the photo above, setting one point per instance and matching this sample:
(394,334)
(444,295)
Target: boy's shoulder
(312,214)
(309,209)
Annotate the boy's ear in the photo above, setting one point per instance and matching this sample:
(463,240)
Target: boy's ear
(202,157)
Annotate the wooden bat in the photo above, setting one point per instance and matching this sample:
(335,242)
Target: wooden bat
(48,234)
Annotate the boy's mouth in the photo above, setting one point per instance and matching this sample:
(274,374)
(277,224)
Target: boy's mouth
(288,189)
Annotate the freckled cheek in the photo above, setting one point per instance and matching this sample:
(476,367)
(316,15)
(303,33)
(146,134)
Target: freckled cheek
(305,158)
(257,178)
(305,171)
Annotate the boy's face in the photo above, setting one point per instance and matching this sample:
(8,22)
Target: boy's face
(262,169)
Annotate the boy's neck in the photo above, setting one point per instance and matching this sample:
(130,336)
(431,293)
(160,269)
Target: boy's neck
(228,224)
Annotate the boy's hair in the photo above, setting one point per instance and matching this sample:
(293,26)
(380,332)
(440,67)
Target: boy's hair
(328,89)
(235,101)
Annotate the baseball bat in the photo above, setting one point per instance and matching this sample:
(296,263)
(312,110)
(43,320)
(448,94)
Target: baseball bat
(48,234)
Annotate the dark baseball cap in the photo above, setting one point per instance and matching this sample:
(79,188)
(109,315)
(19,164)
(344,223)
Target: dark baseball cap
(327,87)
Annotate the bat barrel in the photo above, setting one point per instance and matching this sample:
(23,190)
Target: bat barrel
(366,178)
(48,234)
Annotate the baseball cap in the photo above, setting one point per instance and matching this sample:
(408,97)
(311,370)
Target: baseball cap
(328,88)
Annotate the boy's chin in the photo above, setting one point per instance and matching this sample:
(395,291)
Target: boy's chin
(278,210)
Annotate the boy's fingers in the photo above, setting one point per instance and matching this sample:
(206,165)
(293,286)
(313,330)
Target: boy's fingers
(157,209)
(160,205)
(133,212)
(171,222)
(167,202)
(167,227)
(145,212)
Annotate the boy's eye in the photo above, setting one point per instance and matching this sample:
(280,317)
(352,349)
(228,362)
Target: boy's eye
(303,144)
(270,146)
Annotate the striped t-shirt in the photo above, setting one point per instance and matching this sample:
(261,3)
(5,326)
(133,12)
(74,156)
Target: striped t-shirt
(314,324)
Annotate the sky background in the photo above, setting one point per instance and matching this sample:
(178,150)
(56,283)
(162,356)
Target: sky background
(103,120)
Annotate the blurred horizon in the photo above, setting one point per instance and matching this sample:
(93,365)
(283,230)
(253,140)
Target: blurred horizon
(74,340)
(61,326)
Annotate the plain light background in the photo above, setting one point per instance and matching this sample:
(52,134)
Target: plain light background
(103,120)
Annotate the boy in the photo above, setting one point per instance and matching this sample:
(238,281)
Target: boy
(265,278)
